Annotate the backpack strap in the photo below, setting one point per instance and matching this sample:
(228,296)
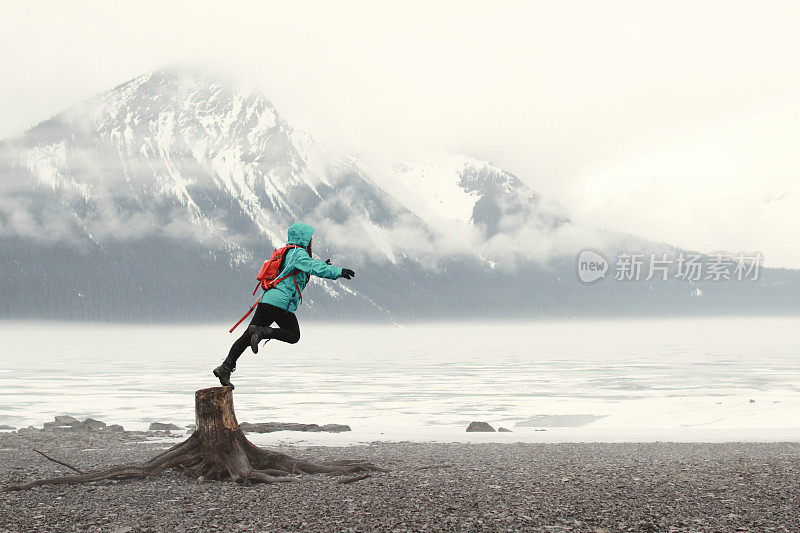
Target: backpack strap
(296,286)
(247,314)
(275,283)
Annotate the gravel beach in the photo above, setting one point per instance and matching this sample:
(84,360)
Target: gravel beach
(465,487)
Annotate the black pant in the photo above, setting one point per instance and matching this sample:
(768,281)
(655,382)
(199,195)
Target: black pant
(288,330)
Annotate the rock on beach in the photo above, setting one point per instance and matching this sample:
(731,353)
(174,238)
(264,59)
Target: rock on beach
(269,427)
(479,426)
(159,426)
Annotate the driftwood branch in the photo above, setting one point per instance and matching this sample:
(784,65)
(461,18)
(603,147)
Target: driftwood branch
(59,462)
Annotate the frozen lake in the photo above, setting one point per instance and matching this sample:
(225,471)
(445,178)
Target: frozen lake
(664,379)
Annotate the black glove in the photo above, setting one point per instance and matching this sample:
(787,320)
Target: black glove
(347,273)
(327,261)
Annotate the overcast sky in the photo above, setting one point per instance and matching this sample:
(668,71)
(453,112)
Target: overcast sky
(675,121)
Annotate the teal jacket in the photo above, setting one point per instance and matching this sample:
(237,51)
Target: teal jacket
(285,295)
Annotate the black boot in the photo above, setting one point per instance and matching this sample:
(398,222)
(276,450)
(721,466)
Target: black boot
(223,372)
(257,334)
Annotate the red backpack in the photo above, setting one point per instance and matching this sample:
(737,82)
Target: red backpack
(272,267)
(267,277)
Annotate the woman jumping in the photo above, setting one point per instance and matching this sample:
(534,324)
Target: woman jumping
(277,305)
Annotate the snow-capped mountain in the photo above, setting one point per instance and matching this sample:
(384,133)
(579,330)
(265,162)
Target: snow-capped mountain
(159,198)
(178,152)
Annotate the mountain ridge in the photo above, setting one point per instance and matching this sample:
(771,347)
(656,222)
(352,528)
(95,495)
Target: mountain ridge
(175,171)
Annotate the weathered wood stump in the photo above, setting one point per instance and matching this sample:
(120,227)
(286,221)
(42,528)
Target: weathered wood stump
(218,450)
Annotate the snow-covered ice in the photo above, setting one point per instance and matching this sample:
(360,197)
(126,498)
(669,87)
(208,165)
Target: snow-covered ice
(642,380)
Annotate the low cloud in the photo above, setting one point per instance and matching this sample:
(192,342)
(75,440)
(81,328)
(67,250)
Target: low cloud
(58,193)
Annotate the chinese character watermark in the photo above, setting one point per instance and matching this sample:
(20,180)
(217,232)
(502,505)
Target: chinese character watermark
(689,267)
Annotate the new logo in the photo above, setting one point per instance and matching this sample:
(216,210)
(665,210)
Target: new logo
(591,266)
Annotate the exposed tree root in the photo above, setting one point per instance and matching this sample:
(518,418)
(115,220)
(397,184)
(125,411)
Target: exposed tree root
(59,462)
(217,450)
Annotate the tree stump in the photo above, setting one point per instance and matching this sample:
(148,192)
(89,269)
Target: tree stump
(218,450)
